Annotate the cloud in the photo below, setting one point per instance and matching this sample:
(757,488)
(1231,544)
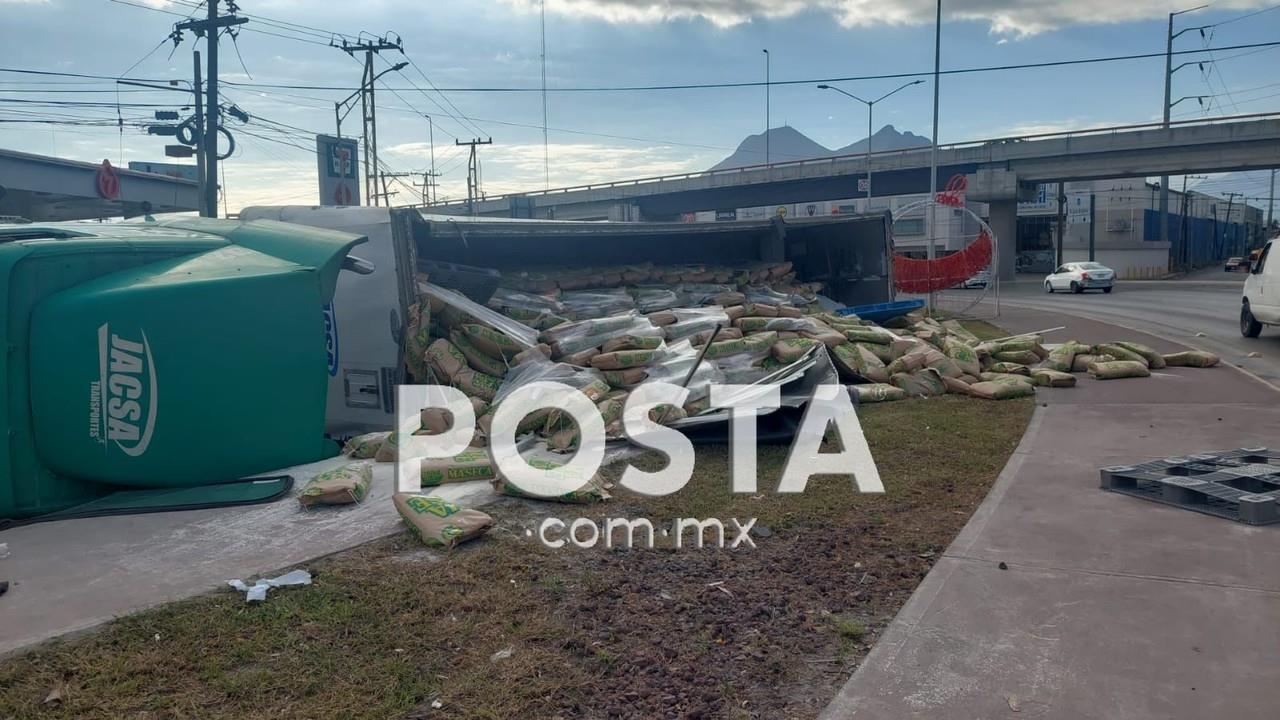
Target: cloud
(1019,18)
(520,167)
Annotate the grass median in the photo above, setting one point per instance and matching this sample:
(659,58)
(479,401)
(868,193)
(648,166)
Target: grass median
(505,627)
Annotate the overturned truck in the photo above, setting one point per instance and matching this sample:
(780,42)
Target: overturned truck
(551,285)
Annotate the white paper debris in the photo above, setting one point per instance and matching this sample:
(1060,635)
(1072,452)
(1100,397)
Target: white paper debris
(258,592)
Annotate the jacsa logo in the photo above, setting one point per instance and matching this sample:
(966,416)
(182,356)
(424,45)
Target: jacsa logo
(331,338)
(124,400)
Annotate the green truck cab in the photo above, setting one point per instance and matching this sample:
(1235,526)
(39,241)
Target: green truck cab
(167,354)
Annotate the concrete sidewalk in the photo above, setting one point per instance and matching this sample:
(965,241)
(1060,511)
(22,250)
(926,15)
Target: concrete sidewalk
(73,575)
(1110,606)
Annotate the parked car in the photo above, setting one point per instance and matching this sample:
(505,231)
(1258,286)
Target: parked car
(1260,302)
(979,280)
(1077,277)
(1236,264)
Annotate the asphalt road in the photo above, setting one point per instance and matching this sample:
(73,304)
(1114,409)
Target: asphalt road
(1201,311)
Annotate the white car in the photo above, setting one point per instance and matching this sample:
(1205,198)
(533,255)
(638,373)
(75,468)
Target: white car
(1077,277)
(979,280)
(1260,304)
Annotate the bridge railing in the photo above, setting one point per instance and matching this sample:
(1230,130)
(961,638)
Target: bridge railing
(831,160)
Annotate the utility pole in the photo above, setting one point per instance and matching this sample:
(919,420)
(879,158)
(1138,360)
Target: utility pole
(372,175)
(1092,218)
(1271,204)
(1230,244)
(1168,105)
(210,28)
(546,158)
(1184,256)
(473,172)
(930,252)
(205,209)
(1062,224)
(387,194)
(428,185)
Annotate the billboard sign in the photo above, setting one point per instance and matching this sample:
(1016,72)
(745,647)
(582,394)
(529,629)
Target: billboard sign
(338,170)
(1044,200)
(182,172)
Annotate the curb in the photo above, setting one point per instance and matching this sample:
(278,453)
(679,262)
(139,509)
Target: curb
(899,630)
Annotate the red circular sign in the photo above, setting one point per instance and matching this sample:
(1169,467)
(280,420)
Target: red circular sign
(342,194)
(108,181)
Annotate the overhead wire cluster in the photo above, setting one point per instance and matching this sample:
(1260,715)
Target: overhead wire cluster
(266,132)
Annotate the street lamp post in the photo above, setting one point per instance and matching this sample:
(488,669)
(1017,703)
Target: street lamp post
(766,105)
(339,116)
(871,104)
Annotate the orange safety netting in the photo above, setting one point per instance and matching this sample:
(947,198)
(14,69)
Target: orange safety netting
(921,276)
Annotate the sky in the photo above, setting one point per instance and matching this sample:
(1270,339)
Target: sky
(462,46)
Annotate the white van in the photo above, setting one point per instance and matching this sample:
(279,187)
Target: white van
(1261,302)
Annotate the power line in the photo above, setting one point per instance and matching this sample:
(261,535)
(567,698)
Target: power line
(757,83)
(1255,47)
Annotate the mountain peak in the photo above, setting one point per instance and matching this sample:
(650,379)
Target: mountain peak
(787,143)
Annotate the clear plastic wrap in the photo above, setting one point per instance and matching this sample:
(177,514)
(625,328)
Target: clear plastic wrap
(704,293)
(538,370)
(766,294)
(516,299)
(691,321)
(651,298)
(526,336)
(585,304)
(575,337)
(674,366)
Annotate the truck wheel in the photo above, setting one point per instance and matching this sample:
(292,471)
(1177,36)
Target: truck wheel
(1249,325)
(1106,290)
(1075,287)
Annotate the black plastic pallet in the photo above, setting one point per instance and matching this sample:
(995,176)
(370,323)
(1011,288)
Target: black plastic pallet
(1241,485)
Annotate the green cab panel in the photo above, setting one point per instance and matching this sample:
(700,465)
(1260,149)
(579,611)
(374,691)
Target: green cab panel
(196,356)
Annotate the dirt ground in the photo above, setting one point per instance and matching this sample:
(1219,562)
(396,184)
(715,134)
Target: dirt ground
(507,628)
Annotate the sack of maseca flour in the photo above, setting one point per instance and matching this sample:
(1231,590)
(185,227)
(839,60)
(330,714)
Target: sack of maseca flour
(438,522)
(878,392)
(362,447)
(437,420)
(1052,378)
(339,486)
(389,450)
(446,359)
(589,491)
(631,342)
(1119,369)
(1191,358)
(478,360)
(492,342)
(623,359)
(789,351)
(1155,360)
(1001,391)
(470,464)
(417,339)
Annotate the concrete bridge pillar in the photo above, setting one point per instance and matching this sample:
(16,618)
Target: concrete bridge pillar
(1004,223)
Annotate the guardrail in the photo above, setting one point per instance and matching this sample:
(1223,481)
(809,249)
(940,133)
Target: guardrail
(659,179)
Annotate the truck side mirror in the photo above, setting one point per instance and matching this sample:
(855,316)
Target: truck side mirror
(359,266)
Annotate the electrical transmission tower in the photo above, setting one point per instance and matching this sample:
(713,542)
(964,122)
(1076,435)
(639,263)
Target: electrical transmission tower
(473,172)
(373,178)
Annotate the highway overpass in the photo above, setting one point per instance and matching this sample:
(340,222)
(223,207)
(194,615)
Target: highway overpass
(998,169)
